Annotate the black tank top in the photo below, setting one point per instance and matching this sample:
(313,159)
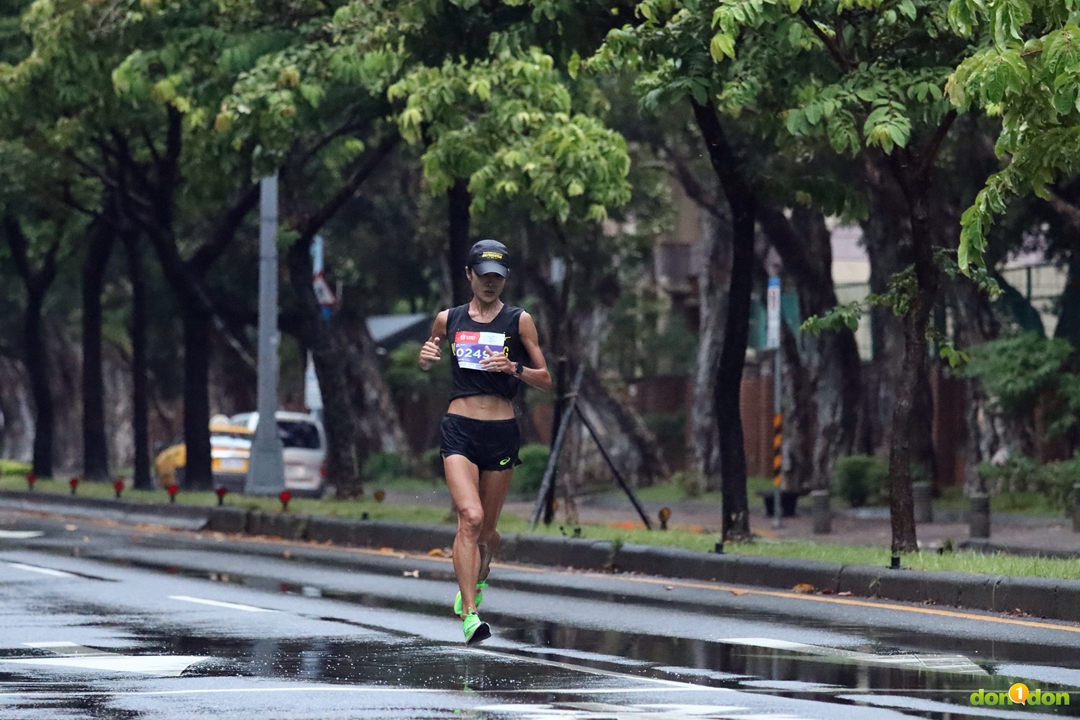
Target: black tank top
(468,342)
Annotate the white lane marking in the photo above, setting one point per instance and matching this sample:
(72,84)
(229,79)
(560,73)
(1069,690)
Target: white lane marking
(53,644)
(219,603)
(42,570)
(928,661)
(161,665)
(590,711)
(68,649)
(20,534)
(766,643)
(594,671)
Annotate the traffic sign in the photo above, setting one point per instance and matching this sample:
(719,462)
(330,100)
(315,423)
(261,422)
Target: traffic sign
(772,339)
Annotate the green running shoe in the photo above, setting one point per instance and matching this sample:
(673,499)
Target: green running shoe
(479,597)
(476,630)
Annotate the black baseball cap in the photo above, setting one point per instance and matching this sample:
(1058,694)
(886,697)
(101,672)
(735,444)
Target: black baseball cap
(489,256)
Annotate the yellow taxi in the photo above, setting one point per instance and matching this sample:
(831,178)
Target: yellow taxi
(230,449)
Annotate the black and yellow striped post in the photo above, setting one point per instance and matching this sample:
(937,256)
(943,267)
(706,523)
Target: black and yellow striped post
(778,464)
(773,343)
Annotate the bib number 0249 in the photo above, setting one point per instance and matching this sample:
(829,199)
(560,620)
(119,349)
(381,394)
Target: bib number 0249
(472,347)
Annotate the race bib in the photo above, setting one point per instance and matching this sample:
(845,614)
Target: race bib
(472,347)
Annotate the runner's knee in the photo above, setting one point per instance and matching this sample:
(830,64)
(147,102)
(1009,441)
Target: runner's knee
(471,520)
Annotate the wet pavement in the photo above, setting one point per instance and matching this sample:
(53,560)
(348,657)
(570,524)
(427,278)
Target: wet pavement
(105,621)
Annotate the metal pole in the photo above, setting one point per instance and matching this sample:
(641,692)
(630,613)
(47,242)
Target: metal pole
(614,470)
(266,470)
(547,485)
(561,414)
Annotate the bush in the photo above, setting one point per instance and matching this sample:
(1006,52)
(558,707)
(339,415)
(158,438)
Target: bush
(432,464)
(1056,481)
(384,466)
(1017,474)
(667,427)
(10,467)
(404,376)
(529,475)
(1023,475)
(862,480)
(1025,371)
(691,483)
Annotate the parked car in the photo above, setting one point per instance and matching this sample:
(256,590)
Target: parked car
(303,441)
(230,447)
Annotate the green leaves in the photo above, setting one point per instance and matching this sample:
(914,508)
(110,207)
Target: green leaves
(508,125)
(1019,370)
(846,315)
(722,45)
(887,126)
(1030,77)
(1061,51)
(1007,18)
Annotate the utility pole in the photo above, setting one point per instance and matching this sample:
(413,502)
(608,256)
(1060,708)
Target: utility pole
(266,469)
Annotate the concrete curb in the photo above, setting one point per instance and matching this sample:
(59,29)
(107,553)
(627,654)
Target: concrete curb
(1041,597)
(179,517)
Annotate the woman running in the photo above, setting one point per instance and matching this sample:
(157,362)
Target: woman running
(494,347)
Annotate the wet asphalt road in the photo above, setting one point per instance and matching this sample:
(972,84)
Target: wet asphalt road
(103,621)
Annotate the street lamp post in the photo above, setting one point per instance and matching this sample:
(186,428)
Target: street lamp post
(266,469)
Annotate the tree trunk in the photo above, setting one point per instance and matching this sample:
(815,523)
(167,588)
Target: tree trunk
(914,369)
(378,416)
(458,202)
(37,367)
(628,441)
(140,398)
(735,523)
(1068,325)
(884,235)
(337,362)
(36,356)
(151,192)
(901,506)
(712,289)
(198,474)
(976,324)
(626,438)
(358,414)
(824,386)
(17,431)
(95,445)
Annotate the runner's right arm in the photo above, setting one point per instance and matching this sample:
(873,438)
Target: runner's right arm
(431,353)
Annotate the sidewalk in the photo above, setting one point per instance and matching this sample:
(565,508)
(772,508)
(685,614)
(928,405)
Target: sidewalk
(1022,534)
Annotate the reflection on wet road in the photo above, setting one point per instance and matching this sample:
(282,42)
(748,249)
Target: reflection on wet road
(110,623)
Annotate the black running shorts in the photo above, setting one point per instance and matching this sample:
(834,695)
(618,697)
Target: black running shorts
(487,444)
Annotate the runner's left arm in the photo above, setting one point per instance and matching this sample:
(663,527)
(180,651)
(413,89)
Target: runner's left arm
(537,375)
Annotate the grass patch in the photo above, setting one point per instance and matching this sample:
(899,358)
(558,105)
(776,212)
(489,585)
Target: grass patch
(670,492)
(1019,503)
(996,564)
(10,467)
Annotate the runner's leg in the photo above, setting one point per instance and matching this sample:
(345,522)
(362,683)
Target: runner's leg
(463,481)
(494,484)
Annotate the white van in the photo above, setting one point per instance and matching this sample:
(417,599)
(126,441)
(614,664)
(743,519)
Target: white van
(303,441)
